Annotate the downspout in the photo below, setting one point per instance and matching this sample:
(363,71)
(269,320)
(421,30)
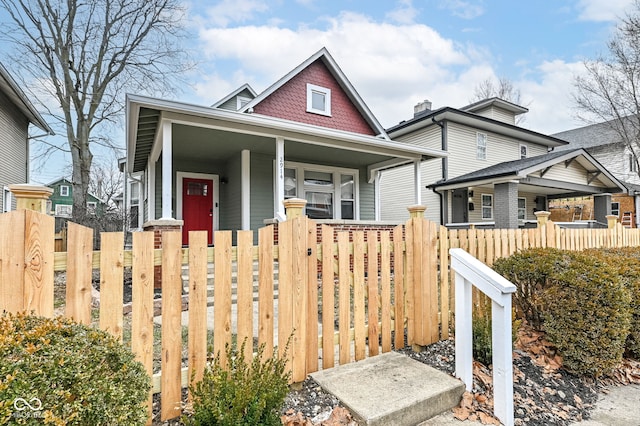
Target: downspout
(445,171)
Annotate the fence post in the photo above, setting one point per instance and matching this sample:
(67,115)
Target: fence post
(543,223)
(26,278)
(31,197)
(416,305)
(293,307)
(611,220)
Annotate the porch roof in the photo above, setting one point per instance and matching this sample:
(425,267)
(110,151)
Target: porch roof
(144,115)
(520,171)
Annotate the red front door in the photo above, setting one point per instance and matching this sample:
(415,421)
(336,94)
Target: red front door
(197,207)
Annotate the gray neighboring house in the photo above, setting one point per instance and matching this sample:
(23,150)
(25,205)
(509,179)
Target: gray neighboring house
(16,114)
(496,174)
(604,143)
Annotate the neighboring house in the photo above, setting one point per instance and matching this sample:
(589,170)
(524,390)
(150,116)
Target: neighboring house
(605,145)
(16,113)
(61,201)
(230,166)
(496,174)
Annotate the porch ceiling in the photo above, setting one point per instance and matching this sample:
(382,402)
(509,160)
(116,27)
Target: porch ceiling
(199,143)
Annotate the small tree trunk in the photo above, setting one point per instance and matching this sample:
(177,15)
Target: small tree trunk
(82,158)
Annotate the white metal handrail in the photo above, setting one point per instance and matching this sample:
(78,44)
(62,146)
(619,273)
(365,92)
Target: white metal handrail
(470,271)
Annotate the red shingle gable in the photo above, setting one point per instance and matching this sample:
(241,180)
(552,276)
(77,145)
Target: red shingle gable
(290,102)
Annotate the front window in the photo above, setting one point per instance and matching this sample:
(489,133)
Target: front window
(522,208)
(615,208)
(481,146)
(64,190)
(487,206)
(318,99)
(331,193)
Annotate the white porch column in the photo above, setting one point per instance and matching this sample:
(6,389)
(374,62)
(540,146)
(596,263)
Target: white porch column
(376,195)
(167,169)
(245,203)
(151,189)
(417,179)
(279,211)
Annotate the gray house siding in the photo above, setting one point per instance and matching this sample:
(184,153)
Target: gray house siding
(230,203)
(261,189)
(14,150)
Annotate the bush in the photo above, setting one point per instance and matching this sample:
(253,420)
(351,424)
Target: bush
(627,263)
(530,271)
(587,315)
(241,394)
(81,375)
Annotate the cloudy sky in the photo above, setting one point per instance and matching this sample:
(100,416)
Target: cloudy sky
(398,53)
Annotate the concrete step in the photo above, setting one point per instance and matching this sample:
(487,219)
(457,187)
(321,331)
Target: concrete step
(391,389)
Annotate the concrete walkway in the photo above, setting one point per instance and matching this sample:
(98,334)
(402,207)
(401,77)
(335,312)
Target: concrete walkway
(619,407)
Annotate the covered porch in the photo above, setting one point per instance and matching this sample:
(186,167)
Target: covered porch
(231,170)
(508,195)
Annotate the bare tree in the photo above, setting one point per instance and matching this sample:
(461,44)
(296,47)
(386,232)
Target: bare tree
(609,92)
(83,56)
(503,88)
(106,182)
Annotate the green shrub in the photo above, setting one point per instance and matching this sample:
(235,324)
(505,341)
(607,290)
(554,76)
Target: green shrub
(529,270)
(627,263)
(481,330)
(80,375)
(241,394)
(587,315)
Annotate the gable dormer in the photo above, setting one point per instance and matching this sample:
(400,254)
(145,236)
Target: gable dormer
(317,93)
(496,109)
(237,99)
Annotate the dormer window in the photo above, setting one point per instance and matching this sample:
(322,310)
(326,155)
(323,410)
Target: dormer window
(318,99)
(64,190)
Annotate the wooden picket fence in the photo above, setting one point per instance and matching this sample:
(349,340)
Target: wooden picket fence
(350,282)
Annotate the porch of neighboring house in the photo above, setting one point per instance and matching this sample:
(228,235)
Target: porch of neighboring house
(508,195)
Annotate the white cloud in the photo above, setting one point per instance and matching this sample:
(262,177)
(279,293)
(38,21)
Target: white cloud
(405,13)
(551,109)
(392,66)
(230,11)
(602,11)
(463,9)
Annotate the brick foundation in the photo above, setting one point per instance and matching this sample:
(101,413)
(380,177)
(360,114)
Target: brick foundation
(158,227)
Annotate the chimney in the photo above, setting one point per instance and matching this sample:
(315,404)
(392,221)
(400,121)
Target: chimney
(421,107)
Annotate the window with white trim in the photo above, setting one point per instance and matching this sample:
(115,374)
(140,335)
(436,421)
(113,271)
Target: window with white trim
(633,163)
(7,199)
(524,151)
(318,99)
(331,192)
(64,210)
(487,206)
(64,190)
(481,146)
(91,207)
(522,208)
